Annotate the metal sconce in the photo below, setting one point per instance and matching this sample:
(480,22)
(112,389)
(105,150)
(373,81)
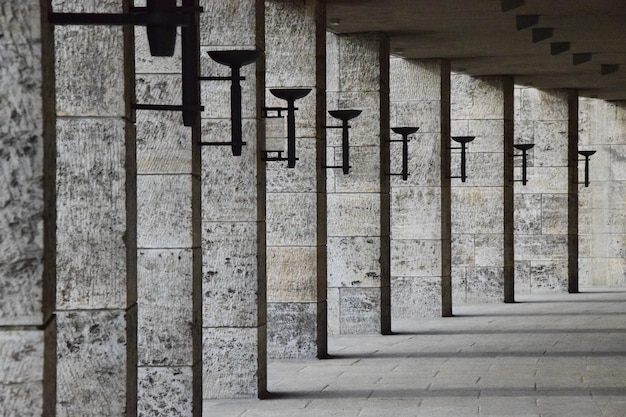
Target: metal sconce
(524,147)
(161,18)
(463,140)
(586,154)
(405,132)
(290,95)
(235,59)
(345,116)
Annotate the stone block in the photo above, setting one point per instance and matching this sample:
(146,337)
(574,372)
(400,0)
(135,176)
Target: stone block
(424,165)
(533,247)
(415,297)
(618,158)
(415,258)
(476,98)
(231,365)
(164,211)
(164,392)
(527,214)
(354,262)
(91,363)
(541,104)
(359,61)
(551,143)
(164,305)
(292,330)
(232,274)
(365,172)
(332,65)
(425,114)
(477,210)
(548,180)
(230,23)
(354,214)
(485,284)
(334,313)
(412,79)
(416,213)
(489,250)
(554,217)
(522,277)
(365,129)
(300,179)
(21,373)
(459,285)
(291,219)
(91,213)
(21,291)
(489,136)
(548,276)
(483,169)
(292,274)
(463,251)
(148,64)
(460,128)
(230,185)
(360,310)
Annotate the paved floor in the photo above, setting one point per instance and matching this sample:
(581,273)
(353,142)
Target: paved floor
(547,355)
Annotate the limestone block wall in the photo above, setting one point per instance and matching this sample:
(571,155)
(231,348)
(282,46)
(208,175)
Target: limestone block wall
(602,206)
(482,245)
(295,38)
(541,207)
(26,258)
(420,206)
(358,203)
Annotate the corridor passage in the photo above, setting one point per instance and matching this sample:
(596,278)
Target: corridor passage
(560,355)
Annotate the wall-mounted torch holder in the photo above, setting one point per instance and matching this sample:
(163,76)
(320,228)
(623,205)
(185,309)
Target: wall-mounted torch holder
(524,147)
(235,59)
(586,155)
(345,116)
(290,95)
(463,140)
(161,18)
(404,132)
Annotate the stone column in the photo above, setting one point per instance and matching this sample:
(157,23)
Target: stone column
(482,207)
(541,206)
(420,206)
(169,249)
(26,211)
(295,38)
(602,205)
(358,203)
(233,210)
(96,238)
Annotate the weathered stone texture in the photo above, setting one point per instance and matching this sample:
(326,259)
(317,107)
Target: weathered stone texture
(91,363)
(91,213)
(21,164)
(291,219)
(164,392)
(415,296)
(354,262)
(354,214)
(292,329)
(21,373)
(292,274)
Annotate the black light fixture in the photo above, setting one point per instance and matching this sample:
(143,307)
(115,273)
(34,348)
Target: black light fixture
(235,59)
(405,132)
(345,116)
(463,140)
(586,154)
(161,18)
(290,95)
(524,147)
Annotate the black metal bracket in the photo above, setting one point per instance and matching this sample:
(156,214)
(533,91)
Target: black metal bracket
(405,132)
(161,19)
(463,140)
(279,112)
(235,59)
(345,116)
(586,155)
(524,147)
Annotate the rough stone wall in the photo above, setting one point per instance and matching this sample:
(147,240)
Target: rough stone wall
(358,203)
(168,256)
(21,209)
(420,206)
(602,205)
(541,207)
(295,39)
(233,210)
(482,247)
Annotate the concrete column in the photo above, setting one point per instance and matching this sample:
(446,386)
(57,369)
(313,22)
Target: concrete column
(541,207)
(358,203)
(420,206)
(26,208)
(295,38)
(233,210)
(169,249)
(95,219)
(482,207)
(602,205)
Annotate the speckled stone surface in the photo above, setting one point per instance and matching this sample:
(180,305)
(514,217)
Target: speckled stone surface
(164,392)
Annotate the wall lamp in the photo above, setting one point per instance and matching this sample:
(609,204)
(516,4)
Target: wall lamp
(290,95)
(345,116)
(235,59)
(405,132)
(463,140)
(524,147)
(161,18)
(586,154)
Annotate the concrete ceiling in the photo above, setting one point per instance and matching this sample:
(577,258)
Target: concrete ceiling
(481,39)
